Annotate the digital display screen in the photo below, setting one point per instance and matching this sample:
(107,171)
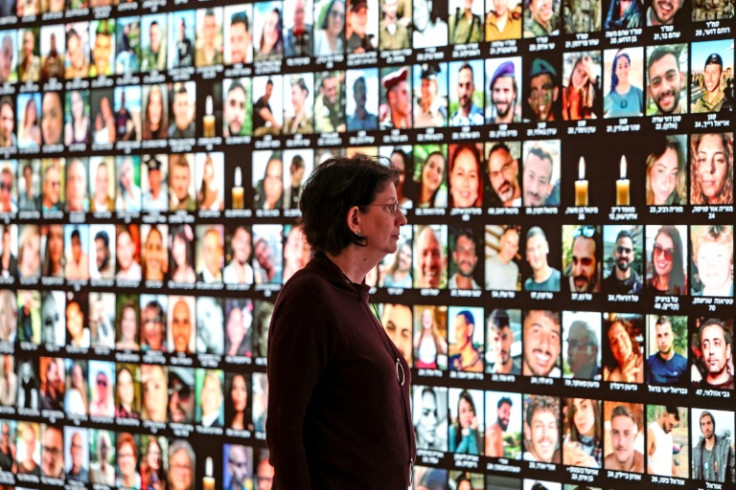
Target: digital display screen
(563,289)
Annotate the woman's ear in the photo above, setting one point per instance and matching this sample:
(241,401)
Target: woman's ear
(353,220)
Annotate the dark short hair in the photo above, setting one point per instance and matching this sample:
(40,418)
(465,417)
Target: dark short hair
(235,85)
(7,100)
(334,187)
(76,234)
(469,319)
(503,400)
(659,53)
(467,233)
(719,323)
(102,235)
(622,411)
(673,411)
(624,234)
(240,18)
(706,413)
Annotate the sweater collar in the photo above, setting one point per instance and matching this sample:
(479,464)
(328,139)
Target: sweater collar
(322,264)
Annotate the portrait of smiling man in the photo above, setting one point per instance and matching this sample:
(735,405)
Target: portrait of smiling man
(666,80)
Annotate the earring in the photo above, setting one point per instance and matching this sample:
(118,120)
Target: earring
(360,235)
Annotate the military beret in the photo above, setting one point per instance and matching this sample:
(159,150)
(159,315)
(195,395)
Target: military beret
(394,78)
(714,59)
(541,67)
(505,69)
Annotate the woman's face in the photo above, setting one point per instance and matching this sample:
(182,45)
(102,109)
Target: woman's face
(77,377)
(235,331)
(270,31)
(405,258)
(155,107)
(55,240)
(336,20)
(398,164)
(77,105)
(714,262)
(466,414)
(179,251)
(427,319)
(663,255)
(153,457)
(432,172)
(31,115)
(128,324)
(712,165)
(239,393)
(464,180)
(154,249)
(126,390)
(584,417)
(579,76)
(126,460)
(618,339)
(663,176)
(155,396)
(622,69)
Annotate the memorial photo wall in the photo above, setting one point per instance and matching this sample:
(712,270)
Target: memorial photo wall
(563,289)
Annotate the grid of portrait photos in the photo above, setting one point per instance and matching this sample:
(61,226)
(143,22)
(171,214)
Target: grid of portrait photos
(563,289)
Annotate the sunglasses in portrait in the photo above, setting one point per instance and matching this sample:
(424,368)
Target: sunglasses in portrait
(660,250)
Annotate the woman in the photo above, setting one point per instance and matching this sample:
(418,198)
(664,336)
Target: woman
(398,274)
(328,39)
(713,260)
(101,199)
(155,393)
(76,129)
(578,96)
(75,401)
(666,177)
(466,185)
(54,252)
(272,40)
(208,197)
(182,255)
(428,342)
(154,122)
(624,361)
(324,329)
(52,387)
(127,456)
(238,341)
(464,435)
(237,409)
(29,133)
(29,246)
(430,193)
(430,28)
(668,262)
(624,99)
(152,474)
(583,444)
(128,328)
(104,132)
(129,193)
(624,14)
(126,407)
(399,161)
(711,169)
(154,257)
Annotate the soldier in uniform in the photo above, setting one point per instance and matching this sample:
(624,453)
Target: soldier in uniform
(540,19)
(465,26)
(393,35)
(504,93)
(432,107)
(582,16)
(712,98)
(398,96)
(624,14)
(543,91)
(503,23)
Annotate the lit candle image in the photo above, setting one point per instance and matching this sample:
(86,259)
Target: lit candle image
(581,185)
(237,190)
(622,185)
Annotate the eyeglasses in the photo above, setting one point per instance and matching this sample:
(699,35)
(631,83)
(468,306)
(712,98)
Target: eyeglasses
(586,231)
(392,208)
(6,186)
(337,15)
(624,250)
(660,250)
(101,382)
(238,464)
(182,391)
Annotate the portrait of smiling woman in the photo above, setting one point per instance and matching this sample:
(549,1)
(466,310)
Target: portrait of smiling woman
(327,348)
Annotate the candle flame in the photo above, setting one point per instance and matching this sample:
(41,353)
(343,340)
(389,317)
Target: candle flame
(623,167)
(581,169)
